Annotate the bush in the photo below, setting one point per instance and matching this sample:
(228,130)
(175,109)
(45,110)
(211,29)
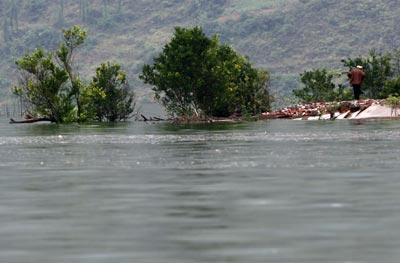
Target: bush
(194,75)
(50,88)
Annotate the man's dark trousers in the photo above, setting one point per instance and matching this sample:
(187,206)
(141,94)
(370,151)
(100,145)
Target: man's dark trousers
(357,91)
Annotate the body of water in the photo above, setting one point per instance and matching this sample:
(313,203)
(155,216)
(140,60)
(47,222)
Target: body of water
(273,191)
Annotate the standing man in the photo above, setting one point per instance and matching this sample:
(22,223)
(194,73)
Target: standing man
(356,77)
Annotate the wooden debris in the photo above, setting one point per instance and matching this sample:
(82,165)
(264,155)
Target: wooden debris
(360,109)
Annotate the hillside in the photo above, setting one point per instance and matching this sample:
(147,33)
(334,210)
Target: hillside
(285,37)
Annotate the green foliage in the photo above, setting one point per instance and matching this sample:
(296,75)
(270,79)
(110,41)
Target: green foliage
(393,101)
(73,38)
(194,75)
(53,90)
(44,85)
(92,100)
(378,69)
(382,79)
(108,96)
(319,86)
(395,55)
(285,36)
(392,86)
(179,72)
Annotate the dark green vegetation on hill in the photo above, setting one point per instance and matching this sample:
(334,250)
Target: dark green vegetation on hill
(285,37)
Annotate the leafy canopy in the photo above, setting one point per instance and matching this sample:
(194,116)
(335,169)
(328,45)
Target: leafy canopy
(108,97)
(382,79)
(49,86)
(43,85)
(378,69)
(319,86)
(194,75)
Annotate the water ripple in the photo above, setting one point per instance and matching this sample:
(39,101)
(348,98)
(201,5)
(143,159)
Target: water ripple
(159,139)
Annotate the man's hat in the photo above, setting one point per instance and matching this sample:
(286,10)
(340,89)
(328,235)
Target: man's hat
(359,66)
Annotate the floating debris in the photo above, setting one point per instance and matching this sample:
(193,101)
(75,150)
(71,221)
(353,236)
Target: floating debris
(360,109)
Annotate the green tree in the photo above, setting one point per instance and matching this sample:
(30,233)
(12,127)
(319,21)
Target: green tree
(194,75)
(378,69)
(43,86)
(180,73)
(108,97)
(72,39)
(392,86)
(396,62)
(51,88)
(239,88)
(263,97)
(318,86)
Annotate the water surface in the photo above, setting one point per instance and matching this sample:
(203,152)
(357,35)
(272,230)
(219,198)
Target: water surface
(274,191)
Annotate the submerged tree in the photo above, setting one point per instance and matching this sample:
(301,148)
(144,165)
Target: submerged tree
(43,86)
(50,88)
(73,38)
(194,75)
(108,96)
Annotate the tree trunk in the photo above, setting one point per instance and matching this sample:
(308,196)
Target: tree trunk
(12,121)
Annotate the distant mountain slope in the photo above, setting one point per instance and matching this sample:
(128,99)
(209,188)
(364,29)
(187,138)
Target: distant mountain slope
(285,37)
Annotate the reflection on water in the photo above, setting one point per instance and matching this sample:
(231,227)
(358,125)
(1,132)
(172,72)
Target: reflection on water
(279,191)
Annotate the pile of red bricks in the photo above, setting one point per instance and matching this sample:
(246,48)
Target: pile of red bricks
(318,109)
